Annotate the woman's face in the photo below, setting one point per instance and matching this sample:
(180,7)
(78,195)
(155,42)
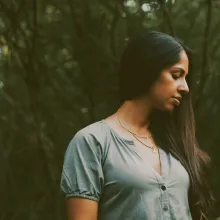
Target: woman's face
(171,86)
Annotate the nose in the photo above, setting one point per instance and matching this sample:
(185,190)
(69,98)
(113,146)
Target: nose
(183,87)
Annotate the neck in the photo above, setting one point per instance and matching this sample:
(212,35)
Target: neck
(135,114)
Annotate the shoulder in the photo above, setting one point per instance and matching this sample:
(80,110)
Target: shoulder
(96,131)
(93,137)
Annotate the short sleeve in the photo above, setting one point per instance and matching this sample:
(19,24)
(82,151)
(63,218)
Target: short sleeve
(82,174)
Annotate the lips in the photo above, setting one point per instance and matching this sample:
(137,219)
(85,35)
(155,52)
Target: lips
(177,100)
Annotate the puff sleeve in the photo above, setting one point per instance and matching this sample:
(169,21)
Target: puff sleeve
(82,174)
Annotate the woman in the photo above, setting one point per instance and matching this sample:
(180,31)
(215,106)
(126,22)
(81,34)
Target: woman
(142,162)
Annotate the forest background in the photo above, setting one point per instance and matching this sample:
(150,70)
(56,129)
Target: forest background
(58,73)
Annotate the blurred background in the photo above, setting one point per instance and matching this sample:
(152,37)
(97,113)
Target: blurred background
(58,73)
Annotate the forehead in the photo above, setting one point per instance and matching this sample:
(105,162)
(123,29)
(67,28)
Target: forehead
(183,62)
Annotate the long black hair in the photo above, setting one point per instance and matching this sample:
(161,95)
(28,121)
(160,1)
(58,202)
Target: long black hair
(144,58)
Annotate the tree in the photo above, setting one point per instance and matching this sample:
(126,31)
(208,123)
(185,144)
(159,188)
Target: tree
(59,67)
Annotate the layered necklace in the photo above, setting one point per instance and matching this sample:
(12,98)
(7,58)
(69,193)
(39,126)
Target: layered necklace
(136,136)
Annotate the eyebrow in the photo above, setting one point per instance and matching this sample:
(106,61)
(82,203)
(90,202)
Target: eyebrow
(181,70)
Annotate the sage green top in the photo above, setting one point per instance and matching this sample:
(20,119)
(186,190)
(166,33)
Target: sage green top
(100,165)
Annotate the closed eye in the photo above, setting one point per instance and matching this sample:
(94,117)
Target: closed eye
(175,76)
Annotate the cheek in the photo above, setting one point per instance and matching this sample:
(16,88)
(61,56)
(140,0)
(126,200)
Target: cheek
(157,97)
(164,87)
(161,100)
(159,91)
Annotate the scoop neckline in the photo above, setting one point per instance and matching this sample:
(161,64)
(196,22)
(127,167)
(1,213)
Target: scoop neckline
(131,142)
(116,134)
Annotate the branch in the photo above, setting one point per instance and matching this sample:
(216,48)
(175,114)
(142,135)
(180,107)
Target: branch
(166,16)
(205,59)
(82,37)
(116,12)
(215,48)
(34,25)
(14,22)
(77,26)
(193,24)
(32,49)
(112,9)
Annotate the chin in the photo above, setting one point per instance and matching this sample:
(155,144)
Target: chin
(167,108)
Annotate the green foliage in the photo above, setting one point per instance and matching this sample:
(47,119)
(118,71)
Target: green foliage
(58,63)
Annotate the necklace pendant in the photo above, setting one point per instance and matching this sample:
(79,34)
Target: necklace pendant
(154,150)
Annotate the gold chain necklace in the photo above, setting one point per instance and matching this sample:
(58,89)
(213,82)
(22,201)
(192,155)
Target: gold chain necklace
(154,150)
(134,134)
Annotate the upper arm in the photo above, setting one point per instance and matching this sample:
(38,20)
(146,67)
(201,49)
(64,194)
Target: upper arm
(82,177)
(82,209)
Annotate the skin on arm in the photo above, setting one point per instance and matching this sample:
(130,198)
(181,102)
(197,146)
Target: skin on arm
(82,209)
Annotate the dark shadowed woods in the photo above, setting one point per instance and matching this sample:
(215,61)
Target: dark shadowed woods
(58,65)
